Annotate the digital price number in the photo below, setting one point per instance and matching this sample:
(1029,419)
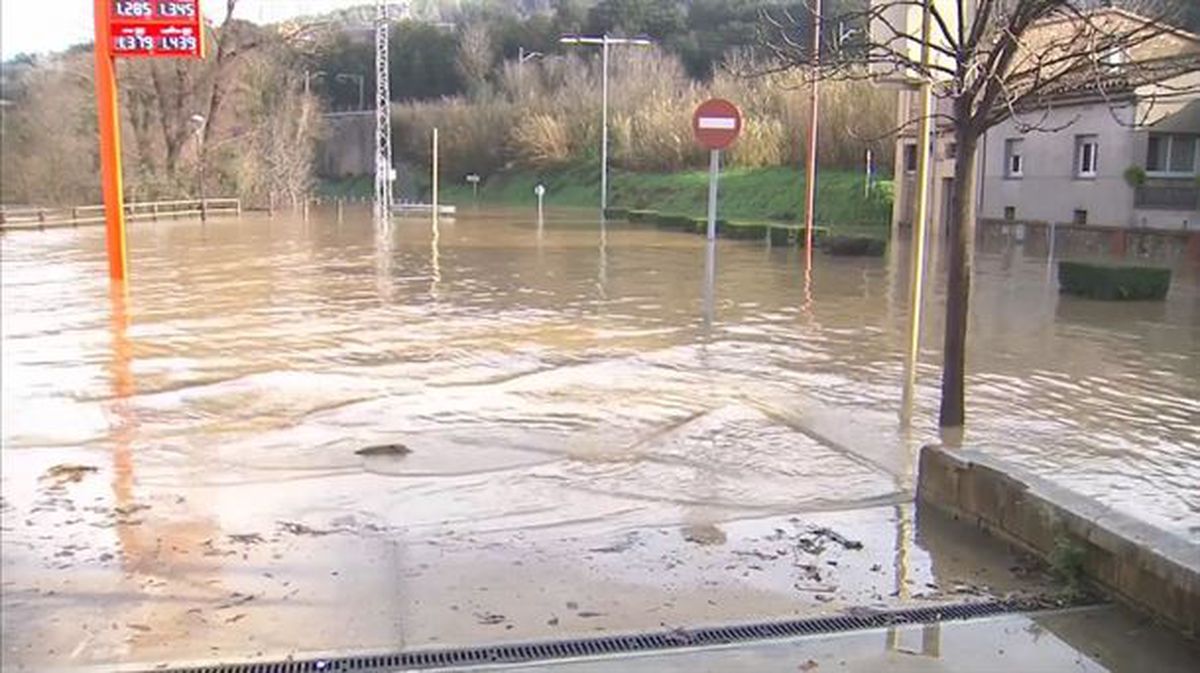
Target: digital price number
(176,10)
(147,28)
(134,42)
(133,9)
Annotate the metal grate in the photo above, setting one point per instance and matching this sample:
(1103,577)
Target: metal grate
(563,649)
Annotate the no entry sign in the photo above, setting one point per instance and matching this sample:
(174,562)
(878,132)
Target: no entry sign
(716,123)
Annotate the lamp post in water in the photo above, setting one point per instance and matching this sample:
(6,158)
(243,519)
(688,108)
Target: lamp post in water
(200,121)
(605,41)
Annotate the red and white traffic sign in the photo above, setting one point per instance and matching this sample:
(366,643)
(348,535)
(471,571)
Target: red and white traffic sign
(716,123)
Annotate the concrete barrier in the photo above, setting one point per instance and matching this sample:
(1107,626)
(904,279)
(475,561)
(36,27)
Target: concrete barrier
(1139,564)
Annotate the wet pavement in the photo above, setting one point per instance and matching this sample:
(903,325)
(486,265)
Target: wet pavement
(594,446)
(1089,640)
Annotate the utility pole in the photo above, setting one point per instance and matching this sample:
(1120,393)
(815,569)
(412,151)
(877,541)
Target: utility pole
(604,41)
(917,284)
(383,116)
(201,157)
(810,179)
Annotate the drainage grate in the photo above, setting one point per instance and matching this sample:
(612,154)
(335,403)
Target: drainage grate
(563,649)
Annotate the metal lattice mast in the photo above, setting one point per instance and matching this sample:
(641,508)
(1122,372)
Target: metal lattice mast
(383,115)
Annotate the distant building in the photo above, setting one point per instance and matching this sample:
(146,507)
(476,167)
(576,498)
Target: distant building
(1084,169)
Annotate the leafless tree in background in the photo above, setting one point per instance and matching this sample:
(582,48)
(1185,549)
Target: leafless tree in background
(475,57)
(994,60)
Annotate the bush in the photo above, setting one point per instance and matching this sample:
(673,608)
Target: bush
(745,231)
(854,246)
(616,213)
(673,221)
(1108,282)
(643,215)
(781,236)
(1135,176)
(700,225)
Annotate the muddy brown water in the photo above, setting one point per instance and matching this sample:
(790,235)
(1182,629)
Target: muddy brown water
(568,378)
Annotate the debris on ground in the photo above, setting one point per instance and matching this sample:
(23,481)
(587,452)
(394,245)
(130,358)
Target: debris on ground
(624,545)
(490,618)
(815,540)
(66,473)
(301,529)
(394,450)
(704,534)
(235,599)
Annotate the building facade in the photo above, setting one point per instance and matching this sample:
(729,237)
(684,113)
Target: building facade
(1128,161)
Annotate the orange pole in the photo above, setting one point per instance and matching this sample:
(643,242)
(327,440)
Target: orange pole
(110,144)
(810,186)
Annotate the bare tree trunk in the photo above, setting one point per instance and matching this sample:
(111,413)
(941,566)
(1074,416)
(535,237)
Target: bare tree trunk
(960,240)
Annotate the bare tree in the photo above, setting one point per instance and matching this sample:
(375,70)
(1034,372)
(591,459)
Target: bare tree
(475,56)
(991,61)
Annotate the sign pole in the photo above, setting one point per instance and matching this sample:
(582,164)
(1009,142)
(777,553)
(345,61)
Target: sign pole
(716,123)
(435,174)
(714,173)
(110,144)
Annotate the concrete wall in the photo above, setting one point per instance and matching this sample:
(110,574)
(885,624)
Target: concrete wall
(1143,566)
(1049,190)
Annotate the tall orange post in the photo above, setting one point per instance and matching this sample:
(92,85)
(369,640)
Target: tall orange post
(110,143)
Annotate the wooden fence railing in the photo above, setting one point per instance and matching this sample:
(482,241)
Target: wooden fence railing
(49,218)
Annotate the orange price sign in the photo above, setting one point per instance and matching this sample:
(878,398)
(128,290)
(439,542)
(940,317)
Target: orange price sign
(156,28)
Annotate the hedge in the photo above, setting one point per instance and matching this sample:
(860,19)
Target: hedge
(854,246)
(1110,282)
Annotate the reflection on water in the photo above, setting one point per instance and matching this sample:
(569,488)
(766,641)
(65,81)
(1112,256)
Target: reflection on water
(556,375)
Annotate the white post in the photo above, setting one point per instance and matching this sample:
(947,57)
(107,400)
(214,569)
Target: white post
(604,130)
(710,283)
(714,169)
(435,174)
(867,176)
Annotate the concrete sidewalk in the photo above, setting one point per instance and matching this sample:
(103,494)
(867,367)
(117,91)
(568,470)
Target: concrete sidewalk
(1095,639)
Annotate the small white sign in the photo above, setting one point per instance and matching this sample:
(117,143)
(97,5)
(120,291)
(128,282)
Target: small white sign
(728,123)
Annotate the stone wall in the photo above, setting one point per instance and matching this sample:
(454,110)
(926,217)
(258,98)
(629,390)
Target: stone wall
(1143,566)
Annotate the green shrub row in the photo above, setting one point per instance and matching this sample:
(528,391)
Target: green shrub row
(778,234)
(854,246)
(1108,282)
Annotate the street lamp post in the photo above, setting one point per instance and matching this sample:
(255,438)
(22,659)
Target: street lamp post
(604,41)
(200,121)
(522,57)
(351,77)
(308,77)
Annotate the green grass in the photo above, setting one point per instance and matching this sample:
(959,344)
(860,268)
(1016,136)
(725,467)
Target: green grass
(757,194)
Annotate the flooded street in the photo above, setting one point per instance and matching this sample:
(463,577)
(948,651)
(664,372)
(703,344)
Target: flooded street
(595,442)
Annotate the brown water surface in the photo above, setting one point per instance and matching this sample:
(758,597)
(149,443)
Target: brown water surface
(565,381)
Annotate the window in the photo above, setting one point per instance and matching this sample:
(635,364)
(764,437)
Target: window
(1014,160)
(951,150)
(1171,155)
(1080,217)
(1087,156)
(1010,213)
(910,158)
